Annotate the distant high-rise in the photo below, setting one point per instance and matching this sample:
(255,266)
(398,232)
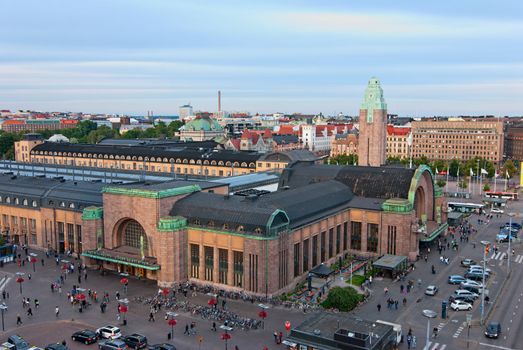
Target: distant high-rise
(219,101)
(185,111)
(373,126)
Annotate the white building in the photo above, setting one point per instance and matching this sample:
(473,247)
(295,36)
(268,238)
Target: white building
(185,111)
(319,138)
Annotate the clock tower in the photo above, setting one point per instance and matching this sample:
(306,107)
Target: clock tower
(372,138)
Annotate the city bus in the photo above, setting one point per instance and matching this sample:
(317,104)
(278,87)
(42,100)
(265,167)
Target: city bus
(504,195)
(465,207)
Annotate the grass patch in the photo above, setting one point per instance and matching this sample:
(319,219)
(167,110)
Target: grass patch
(357,280)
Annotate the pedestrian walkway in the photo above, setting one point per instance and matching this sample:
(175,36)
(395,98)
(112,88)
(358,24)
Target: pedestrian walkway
(458,331)
(436,346)
(3,282)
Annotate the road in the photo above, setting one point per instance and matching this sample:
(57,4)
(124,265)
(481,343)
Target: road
(453,330)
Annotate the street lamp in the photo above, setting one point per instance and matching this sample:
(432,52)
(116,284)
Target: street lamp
(263,314)
(123,309)
(226,336)
(20,279)
(3,307)
(33,260)
(509,241)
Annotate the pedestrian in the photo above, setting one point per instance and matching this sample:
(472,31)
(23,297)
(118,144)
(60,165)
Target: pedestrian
(426,257)
(37,303)
(29,311)
(85,275)
(275,334)
(3,294)
(151,317)
(214,326)
(186,329)
(57,311)
(60,289)
(117,295)
(280,336)
(404,301)
(18,320)
(236,347)
(79,279)
(379,307)
(396,304)
(42,262)
(29,276)
(193,326)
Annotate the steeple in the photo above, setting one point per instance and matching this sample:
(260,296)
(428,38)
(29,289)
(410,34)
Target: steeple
(373,98)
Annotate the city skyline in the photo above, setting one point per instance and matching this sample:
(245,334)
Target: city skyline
(132,57)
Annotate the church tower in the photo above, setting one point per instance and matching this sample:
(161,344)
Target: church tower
(372,139)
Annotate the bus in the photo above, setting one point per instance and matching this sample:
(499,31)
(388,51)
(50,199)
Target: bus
(465,207)
(396,328)
(504,195)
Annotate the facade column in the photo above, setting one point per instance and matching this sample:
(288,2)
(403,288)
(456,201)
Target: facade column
(216,265)
(364,236)
(230,267)
(202,262)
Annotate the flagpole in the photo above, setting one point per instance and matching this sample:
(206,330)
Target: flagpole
(470,184)
(495,180)
(457,181)
(480,183)
(506,180)
(447,183)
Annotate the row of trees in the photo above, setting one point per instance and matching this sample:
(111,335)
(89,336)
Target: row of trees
(89,132)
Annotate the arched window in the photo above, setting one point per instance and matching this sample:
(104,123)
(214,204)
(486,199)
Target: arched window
(258,230)
(197,222)
(71,205)
(225,226)
(25,202)
(210,224)
(17,201)
(240,228)
(34,204)
(62,204)
(8,200)
(132,233)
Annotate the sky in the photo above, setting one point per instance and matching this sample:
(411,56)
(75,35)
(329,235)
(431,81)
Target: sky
(132,56)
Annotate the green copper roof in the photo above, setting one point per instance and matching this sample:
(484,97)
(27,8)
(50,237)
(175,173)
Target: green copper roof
(171,223)
(203,124)
(397,205)
(92,213)
(373,98)
(135,192)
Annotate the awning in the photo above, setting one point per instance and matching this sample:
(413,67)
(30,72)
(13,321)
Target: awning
(289,343)
(439,230)
(391,262)
(321,270)
(105,255)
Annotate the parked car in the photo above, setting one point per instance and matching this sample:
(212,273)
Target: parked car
(473,267)
(112,344)
(493,330)
(467,262)
(135,341)
(456,279)
(163,346)
(85,336)
(514,224)
(458,305)
(480,271)
(503,238)
(476,276)
(464,292)
(431,290)
(109,332)
(472,283)
(56,346)
(497,211)
(18,342)
(466,298)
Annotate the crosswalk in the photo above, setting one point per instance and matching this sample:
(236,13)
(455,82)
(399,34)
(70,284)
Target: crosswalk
(458,331)
(518,259)
(436,346)
(3,282)
(440,326)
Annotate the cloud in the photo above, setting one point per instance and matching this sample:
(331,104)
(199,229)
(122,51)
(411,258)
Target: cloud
(395,24)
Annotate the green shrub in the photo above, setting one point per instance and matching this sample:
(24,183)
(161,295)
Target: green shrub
(344,299)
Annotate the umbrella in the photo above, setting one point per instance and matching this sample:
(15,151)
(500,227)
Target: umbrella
(80,296)
(212,302)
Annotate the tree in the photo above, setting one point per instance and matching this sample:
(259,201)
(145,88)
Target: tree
(463,184)
(508,167)
(486,188)
(342,298)
(441,183)
(343,159)
(453,168)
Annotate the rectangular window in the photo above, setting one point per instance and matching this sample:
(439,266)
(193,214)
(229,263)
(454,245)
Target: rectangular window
(223,260)
(5,220)
(372,237)
(345,236)
(209,262)
(355,237)
(79,238)
(314,250)
(61,238)
(306,255)
(14,220)
(238,268)
(32,224)
(70,237)
(195,261)
(331,242)
(391,239)
(282,280)
(253,272)
(338,239)
(24,223)
(322,246)
(296,259)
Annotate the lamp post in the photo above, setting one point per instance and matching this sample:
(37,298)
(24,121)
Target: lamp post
(20,280)
(509,241)
(33,261)
(3,307)
(226,336)
(263,314)
(171,321)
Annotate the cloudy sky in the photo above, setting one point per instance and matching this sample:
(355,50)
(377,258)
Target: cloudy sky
(130,56)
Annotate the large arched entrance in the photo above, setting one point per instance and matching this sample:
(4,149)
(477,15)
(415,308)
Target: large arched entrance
(131,239)
(420,204)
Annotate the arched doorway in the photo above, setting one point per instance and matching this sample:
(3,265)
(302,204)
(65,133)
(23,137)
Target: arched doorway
(132,240)
(420,203)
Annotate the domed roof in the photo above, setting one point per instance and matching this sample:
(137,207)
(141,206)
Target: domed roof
(203,123)
(58,138)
